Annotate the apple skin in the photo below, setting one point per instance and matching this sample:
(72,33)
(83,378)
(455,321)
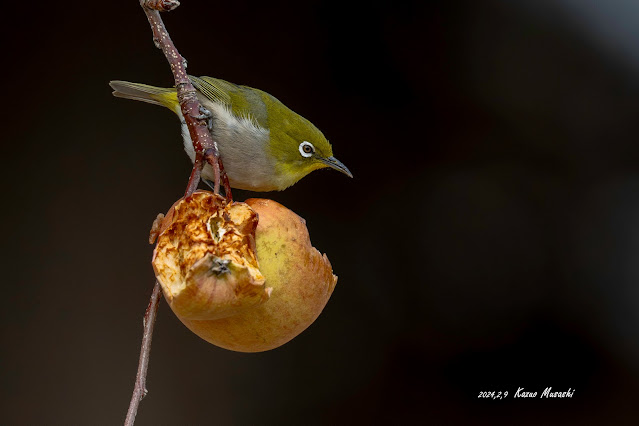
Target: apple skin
(301,279)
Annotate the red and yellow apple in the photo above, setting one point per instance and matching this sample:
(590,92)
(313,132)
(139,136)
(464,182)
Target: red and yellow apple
(242,276)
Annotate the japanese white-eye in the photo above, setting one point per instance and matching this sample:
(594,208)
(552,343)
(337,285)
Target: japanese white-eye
(263,144)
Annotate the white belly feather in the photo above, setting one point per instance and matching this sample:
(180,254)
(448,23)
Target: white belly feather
(242,143)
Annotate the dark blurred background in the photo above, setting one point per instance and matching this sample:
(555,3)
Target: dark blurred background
(489,239)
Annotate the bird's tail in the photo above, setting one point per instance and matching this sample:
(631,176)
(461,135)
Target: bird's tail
(145,93)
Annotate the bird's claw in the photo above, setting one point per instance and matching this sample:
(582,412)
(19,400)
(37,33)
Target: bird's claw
(205,114)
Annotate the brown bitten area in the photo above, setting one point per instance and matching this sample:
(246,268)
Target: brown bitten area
(205,258)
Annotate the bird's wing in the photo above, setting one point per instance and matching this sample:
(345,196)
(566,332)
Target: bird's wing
(215,90)
(243,101)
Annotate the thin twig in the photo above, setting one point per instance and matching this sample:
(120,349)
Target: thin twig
(196,173)
(209,156)
(139,390)
(225,181)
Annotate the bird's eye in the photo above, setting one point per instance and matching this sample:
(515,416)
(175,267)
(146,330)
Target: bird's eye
(306,149)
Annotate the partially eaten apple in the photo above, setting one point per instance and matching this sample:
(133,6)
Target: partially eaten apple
(242,276)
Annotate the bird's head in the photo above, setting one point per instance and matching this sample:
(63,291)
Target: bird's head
(298,148)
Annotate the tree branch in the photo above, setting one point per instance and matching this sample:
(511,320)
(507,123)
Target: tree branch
(139,390)
(206,151)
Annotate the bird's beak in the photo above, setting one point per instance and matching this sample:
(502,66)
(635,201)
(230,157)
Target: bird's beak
(334,163)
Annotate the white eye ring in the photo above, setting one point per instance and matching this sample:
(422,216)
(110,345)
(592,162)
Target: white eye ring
(306,149)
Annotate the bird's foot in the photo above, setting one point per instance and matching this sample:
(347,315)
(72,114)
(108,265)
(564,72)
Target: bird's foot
(206,115)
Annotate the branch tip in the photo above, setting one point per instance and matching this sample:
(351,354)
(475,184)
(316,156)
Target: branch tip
(160,5)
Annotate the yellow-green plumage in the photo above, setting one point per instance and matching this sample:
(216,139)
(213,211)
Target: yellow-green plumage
(263,144)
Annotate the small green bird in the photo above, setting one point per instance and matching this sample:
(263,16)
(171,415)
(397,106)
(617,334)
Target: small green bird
(263,144)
